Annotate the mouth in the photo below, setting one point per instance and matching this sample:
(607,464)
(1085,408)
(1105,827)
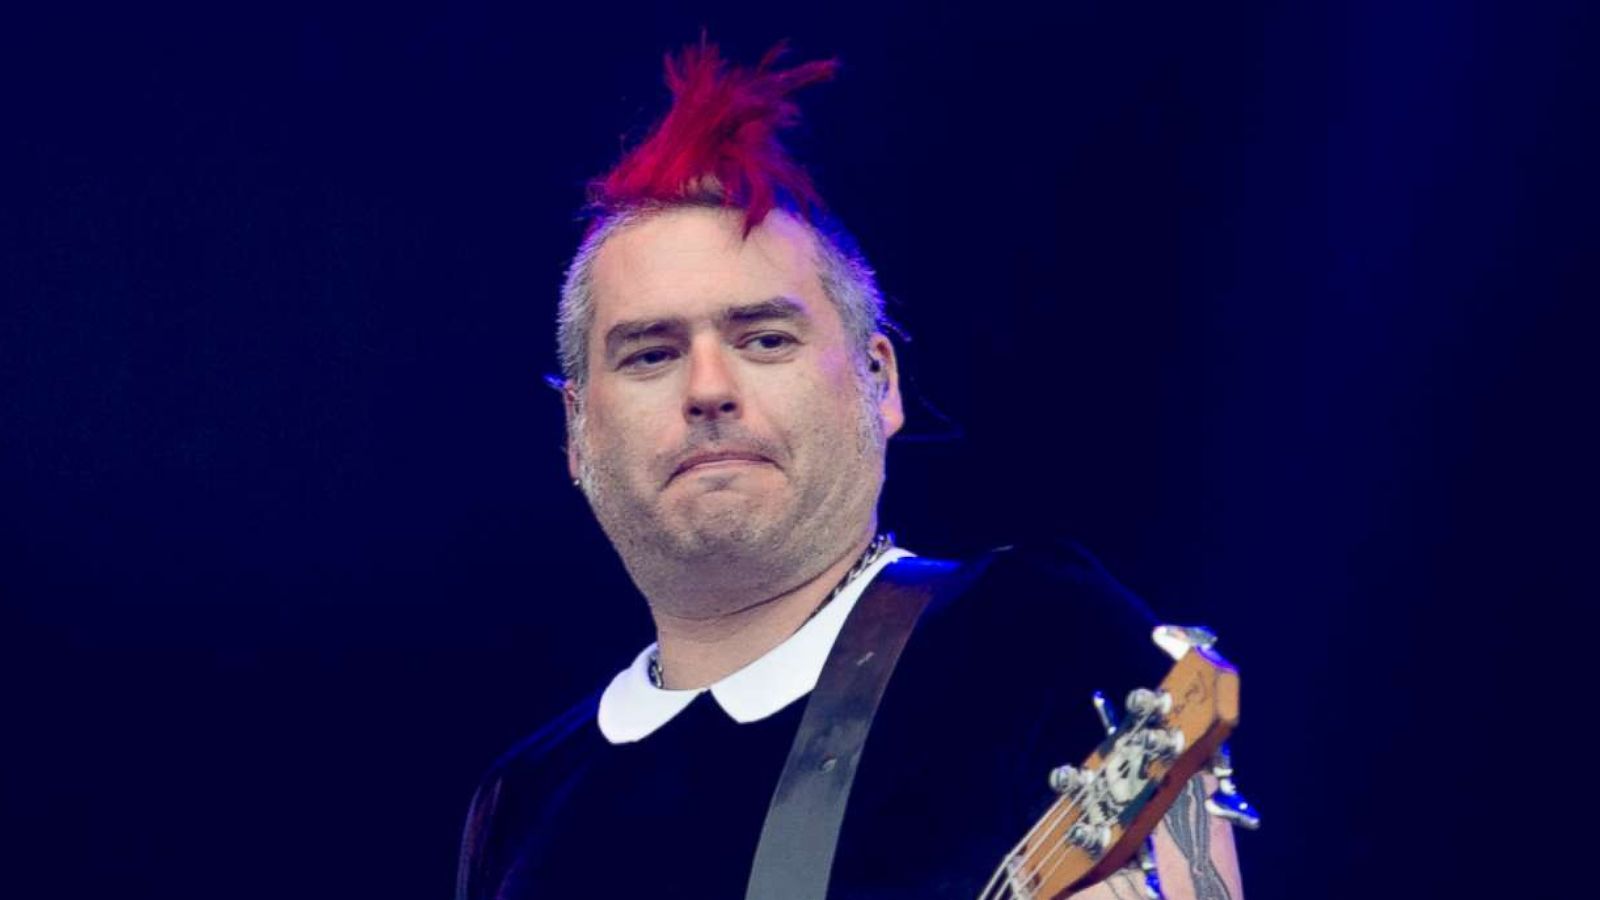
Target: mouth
(716,460)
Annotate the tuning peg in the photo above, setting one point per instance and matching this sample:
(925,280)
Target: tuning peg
(1162,744)
(1068,779)
(1102,708)
(1226,802)
(1092,838)
(1143,703)
(1235,809)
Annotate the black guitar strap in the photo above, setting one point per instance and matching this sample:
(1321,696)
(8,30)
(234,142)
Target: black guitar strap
(795,857)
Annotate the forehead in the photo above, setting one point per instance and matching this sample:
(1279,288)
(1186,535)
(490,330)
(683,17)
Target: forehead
(694,261)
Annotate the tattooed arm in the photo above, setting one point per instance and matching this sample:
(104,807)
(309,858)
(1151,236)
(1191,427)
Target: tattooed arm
(1194,855)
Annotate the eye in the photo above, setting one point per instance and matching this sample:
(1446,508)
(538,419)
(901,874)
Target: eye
(650,358)
(770,343)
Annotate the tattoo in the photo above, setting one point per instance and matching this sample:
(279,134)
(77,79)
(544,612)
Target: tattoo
(1190,825)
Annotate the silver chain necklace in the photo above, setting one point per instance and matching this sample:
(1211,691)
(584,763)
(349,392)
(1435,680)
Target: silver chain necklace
(877,548)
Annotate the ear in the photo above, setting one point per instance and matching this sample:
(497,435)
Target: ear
(570,401)
(885,372)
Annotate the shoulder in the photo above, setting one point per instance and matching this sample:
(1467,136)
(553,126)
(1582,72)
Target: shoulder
(564,732)
(1040,627)
(1036,624)
(532,768)
(1075,574)
(545,755)
(997,683)
(1052,591)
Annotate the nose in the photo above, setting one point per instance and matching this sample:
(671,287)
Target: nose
(712,391)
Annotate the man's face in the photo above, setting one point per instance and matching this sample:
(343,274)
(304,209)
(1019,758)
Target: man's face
(725,412)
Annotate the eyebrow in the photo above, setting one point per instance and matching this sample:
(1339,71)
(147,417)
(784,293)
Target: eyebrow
(782,308)
(631,331)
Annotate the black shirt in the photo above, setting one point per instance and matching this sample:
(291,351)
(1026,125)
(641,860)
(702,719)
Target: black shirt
(993,690)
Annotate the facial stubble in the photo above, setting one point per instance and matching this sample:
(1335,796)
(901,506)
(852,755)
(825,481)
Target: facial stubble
(730,555)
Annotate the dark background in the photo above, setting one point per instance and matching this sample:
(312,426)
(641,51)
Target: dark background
(1277,307)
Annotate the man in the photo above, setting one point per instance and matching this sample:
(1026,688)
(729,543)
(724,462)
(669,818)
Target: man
(729,392)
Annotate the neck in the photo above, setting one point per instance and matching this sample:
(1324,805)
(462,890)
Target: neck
(696,653)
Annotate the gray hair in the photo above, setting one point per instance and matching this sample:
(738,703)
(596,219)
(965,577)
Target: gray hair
(847,281)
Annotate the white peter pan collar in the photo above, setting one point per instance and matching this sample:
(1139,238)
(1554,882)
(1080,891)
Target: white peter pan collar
(632,708)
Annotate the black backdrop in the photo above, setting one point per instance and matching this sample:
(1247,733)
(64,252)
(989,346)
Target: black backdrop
(1275,307)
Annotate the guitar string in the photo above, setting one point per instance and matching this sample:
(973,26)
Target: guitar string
(1046,823)
(1049,822)
(1062,850)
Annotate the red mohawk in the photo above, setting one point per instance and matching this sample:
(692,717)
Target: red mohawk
(719,141)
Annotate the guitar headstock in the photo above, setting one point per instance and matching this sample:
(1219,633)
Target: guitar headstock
(1108,806)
